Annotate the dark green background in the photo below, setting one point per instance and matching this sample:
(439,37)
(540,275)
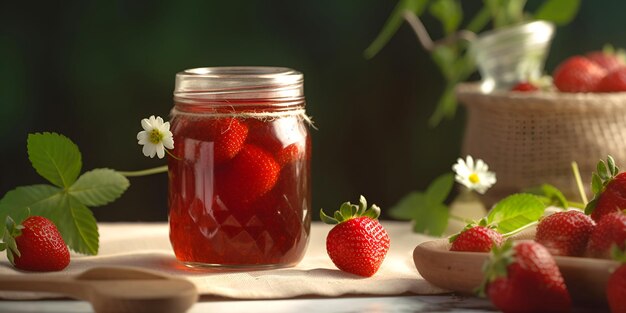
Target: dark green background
(92,70)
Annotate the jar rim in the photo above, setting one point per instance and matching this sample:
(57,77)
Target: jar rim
(239,82)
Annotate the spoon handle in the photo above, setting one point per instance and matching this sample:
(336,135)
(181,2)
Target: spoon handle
(61,285)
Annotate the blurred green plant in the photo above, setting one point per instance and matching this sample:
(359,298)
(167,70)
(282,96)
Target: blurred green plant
(451,53)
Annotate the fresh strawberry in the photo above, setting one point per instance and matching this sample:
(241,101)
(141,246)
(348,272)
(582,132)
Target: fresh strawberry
(524,86)
(615,81)
(251,174)
(609,190)
(524,277)
(616,286)
(565,233)
(227,134)
(358,243)
(578,74)
(36,245)
(608,58)
(476,238)
(610,230)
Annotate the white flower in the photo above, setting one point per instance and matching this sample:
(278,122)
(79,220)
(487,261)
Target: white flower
(155,137)
(474,176)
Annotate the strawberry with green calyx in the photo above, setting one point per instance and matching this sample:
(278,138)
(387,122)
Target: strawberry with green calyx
(476,237)
(609,189)
(578,74)
(524,277)
(36,245)
(565,233)
(357,243)
(616,286)
(608,58)
(610,230)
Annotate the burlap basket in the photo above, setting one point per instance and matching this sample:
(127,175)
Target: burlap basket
(532,138)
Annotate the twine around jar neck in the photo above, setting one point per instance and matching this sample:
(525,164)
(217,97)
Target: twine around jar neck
(267,115)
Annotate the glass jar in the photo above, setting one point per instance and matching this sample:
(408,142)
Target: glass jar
(239,187)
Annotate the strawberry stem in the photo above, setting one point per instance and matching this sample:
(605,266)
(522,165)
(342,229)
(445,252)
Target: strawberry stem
(579,183)
(172,155)
(519,230)
(458,218)
(150,171)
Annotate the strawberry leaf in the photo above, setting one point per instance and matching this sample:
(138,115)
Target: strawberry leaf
(560,12)
(39,198)
(55,157)
(345,210)
(405,208)
(433,219)
(439,189)
(602,170)
(426,209)
(428,218)
(99,187)
(327,219)
(613,169)
(596,183)
(591,206)
(516,211)
(550,194)
(78,226)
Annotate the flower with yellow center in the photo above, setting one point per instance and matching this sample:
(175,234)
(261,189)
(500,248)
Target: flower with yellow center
(155,137)
(475,176)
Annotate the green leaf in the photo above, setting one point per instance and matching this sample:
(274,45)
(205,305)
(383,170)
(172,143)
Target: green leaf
(393,24)
(552,194)
(479,21)
(591,206)
(345,210)
(613,170)
(446,107)
(602,170)
(515,211)
(99,187)
(449,13)
(440,188)
(428,218)
(39,198)
(596,183)
(78,226)
(327,219)
(55,158)
(407,207)
(362,205)
(432,219)
(444,57)
(560,12)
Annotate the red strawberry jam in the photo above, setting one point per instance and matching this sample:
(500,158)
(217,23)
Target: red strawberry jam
(239,192)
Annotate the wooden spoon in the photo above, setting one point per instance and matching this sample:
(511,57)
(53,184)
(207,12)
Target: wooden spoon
(462,271)
(113,289)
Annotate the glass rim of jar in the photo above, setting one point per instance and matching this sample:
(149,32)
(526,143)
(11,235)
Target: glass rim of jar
(280,84)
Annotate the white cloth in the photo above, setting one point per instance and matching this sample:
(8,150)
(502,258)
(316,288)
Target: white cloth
(146,245)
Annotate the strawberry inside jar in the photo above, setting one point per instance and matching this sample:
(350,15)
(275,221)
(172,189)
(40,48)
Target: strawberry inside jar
(239,184)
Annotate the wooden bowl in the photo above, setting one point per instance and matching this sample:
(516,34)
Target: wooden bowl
(462,271)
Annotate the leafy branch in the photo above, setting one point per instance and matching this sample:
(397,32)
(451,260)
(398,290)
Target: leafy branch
(66,200)
(430,214)
(451,56)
